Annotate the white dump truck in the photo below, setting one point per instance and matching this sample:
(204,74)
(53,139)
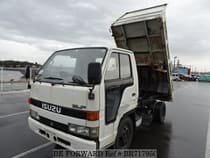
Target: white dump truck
(95,97)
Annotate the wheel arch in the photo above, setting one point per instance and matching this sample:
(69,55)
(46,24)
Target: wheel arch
(131,114)
(128,115)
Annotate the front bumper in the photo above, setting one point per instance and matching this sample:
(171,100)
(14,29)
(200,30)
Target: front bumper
(66,140)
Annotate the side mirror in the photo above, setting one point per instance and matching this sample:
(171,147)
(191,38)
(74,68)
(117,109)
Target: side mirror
(94,73)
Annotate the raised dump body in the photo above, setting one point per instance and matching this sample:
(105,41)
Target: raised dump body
(144,32)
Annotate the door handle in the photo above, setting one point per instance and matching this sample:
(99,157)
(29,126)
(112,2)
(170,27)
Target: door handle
(133,94)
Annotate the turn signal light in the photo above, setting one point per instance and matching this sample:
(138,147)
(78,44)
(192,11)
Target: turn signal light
(92,116)
(29,100)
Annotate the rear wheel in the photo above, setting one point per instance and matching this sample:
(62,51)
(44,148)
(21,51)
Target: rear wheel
(125,134)
(160,112)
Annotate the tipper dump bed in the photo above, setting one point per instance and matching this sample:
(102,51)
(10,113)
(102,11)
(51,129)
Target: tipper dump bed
(144,32)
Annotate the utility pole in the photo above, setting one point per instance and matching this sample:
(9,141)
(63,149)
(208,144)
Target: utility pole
(175,57)
(2,78)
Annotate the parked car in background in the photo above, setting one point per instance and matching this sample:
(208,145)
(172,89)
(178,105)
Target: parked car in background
(183,77)
(188,77)
(194,78)
(175,77)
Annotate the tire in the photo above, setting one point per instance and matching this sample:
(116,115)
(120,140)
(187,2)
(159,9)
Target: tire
(159,112)
(125,134)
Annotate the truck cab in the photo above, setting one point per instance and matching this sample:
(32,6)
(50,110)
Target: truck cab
(80,95)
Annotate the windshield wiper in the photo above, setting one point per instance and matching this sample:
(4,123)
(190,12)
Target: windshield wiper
(78,79)
(56,80)
(53,78)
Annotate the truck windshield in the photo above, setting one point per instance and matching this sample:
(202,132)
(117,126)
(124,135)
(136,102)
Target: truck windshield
(70,66)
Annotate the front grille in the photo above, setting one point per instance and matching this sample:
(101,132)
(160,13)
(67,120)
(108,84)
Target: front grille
(53,124)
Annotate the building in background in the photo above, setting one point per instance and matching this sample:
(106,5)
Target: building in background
(183,73)
(182,70)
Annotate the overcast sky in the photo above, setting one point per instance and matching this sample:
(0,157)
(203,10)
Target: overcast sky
(33,29)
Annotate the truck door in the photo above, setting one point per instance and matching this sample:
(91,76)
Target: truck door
(117,78)
(120,92)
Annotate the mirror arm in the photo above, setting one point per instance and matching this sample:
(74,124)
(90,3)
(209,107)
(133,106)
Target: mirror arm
(91,95)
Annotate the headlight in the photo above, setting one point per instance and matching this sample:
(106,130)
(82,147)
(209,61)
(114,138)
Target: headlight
(34,114)
(85,131)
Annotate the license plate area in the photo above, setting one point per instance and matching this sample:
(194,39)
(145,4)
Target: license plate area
(56,139)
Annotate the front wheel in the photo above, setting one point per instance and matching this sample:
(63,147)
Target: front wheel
(125,134)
